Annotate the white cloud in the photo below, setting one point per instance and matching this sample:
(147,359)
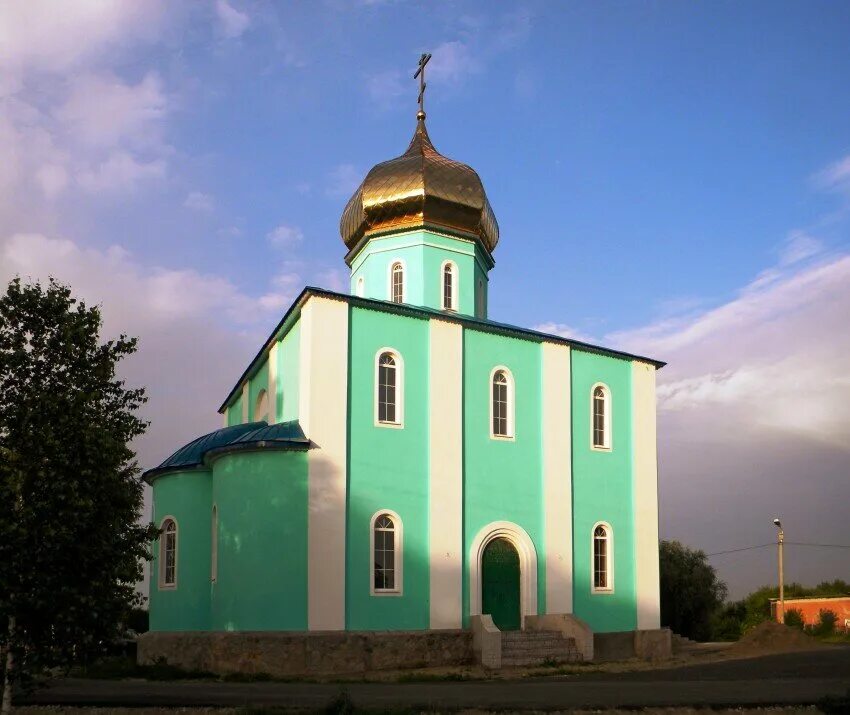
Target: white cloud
(120,172)
(836,175)
(565,331)
(343,180)
(198,201)
(798,247)
(284,236)
(232,22)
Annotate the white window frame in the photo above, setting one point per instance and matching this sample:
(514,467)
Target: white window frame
(360,287)
(399,388)
(511,404)
(453,267)
(398,555)
(609,558)
(163,586)
(608,431)
(214,544)
(258,403)
(393,263)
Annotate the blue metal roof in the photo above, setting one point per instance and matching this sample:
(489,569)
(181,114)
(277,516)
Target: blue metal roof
(237,437)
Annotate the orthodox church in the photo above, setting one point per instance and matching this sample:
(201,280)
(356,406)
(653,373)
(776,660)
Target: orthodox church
(394,460)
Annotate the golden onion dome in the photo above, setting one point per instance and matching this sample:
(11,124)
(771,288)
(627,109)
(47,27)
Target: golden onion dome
(420,188)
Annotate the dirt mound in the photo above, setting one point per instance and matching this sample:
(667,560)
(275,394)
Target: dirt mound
(772,637)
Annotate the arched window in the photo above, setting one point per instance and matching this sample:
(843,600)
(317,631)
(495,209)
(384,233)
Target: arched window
(603,558)
(168,554)
(261,407)
(214,545)
(449,286)
(361,286)
(601,416)
(397,282)
(479,300)
(501,403)
(388,388)
(386,570)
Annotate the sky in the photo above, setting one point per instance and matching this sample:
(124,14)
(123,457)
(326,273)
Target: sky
(670,178)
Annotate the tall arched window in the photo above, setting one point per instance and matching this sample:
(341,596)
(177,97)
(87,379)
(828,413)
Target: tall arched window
(449,286)
(501,403)
(479,300)
(603,558)
(389,388)
(168,554)
(397,282)
(601,416)
(361,287)
(261,407)
(386,569)
(214,545)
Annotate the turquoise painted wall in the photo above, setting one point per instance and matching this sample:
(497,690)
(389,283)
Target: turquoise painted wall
(259,382)
(234,412)
(262,541)
(388,469)
(288,357)
(503,478)
(603,491)
(186,497)
(423,254)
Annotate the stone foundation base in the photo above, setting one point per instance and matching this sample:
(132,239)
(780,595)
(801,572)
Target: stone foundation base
(281,654)
(647,645)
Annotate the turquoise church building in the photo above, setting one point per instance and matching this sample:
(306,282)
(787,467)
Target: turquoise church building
(394,460)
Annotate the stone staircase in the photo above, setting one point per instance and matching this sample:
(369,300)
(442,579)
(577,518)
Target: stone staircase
(536,648)
(681,643)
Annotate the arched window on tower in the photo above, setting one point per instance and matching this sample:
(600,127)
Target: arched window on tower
(168,554)
(388,389)
(361,287)
(261,407)
(386,554)
(601,416)
(397,282)
(449,286)
(214,545)
(603,558)
(501,403)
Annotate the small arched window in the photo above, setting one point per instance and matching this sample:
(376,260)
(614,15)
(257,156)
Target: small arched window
(388,392)
(214,545)
(168,554)
(501,403)
(361,287)
(261,407)
(602,558)
(449,286)
(386,553)
(397,282)
(479,300)
(601,416)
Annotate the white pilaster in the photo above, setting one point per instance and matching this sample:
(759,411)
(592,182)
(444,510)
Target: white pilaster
(557,477)
(646,496)
(322,412)
(272,389)
(446,474)
(246,394)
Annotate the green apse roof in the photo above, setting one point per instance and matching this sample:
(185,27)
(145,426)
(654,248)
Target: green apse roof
(252,435)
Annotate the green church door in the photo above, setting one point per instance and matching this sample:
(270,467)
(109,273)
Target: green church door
(500,584)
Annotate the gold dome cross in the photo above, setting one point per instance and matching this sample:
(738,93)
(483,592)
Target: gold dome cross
(420,73)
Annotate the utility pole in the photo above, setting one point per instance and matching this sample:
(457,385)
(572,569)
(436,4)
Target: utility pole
(779,544)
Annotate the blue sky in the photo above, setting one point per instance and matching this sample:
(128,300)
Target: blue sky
(669,177)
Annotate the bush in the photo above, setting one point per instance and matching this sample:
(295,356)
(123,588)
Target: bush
(826,623)
(793,617)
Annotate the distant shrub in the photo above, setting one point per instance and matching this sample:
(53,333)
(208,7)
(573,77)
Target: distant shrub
(826,623)
(794,617)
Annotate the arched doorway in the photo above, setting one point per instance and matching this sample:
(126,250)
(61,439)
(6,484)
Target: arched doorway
(500,584)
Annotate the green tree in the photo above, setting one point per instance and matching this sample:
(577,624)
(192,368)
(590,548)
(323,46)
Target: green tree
(691,593)
(71,545)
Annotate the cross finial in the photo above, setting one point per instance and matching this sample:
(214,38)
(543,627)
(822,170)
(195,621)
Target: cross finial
(420,73)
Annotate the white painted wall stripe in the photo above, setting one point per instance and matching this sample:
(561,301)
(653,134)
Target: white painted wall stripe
(446,474)
(557,478)
(272,391)
(322,410)
(646,496)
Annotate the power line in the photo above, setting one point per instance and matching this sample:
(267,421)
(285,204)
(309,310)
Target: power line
(787,543)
